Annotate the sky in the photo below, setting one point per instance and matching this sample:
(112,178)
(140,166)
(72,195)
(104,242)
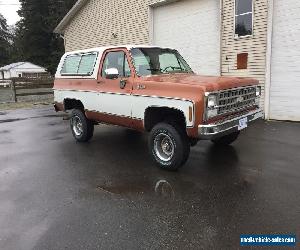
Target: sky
(9,8)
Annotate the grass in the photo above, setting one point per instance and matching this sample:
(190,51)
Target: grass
(25,105)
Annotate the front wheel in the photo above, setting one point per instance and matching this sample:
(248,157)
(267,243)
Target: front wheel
(169,146)
(82,128)
(226,139)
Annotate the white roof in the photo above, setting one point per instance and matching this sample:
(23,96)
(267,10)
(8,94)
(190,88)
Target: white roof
(102,49)
(28,65)
(11,66)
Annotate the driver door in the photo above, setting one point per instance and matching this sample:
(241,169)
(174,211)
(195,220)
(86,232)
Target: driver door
(114,87)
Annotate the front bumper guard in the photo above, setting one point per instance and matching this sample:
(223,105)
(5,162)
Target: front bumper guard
(215,130)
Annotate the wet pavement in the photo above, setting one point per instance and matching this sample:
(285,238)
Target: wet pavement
(107,194)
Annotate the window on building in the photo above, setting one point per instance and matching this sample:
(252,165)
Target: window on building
(80,64)
(243,17)
(117,60)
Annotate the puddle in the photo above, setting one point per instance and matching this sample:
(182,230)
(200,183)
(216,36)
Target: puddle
(53,123)
(56,138)
(161,188)
(13,120)
(124,189)
(33,117)
(6,142)
(46,116)
(4,131)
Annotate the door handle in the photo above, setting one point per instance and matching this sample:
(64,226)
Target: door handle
(100,81)
(123,84)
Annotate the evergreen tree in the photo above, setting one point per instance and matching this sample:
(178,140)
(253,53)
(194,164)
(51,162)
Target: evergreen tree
(4,42)
(34,40)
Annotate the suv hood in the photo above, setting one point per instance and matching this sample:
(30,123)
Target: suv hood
(209,83)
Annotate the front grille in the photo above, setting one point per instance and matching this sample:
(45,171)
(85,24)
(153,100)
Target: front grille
(236,99)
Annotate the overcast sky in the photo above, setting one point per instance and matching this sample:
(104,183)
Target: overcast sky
(9,8)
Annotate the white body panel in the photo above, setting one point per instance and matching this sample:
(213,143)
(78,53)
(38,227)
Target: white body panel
(122,104)
(193,28)
(285,61)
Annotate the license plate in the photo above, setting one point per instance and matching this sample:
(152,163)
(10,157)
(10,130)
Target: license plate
(243,123)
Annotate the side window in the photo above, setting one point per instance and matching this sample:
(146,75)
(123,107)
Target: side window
(80,64)
(87,64)
(117,60)
(71,65)
(243,17)
(141,62)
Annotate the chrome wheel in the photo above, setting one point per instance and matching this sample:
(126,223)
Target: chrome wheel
(77,125)
(164,147)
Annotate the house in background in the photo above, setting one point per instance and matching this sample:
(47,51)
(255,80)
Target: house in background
(248,38)
(22,69)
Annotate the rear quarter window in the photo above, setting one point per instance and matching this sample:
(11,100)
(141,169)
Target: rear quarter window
(80,64)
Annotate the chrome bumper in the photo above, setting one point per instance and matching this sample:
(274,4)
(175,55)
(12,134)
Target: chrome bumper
(215,130)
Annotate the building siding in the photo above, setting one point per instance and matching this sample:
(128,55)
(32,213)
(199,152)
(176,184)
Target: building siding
(284,100)
(255,46)
(95,23)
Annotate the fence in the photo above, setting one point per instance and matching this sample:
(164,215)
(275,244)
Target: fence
(26,90)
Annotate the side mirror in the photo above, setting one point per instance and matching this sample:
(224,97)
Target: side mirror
(112,73)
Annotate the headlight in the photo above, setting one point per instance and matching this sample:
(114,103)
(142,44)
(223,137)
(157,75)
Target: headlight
(211,110)
(211,101)
(258,91)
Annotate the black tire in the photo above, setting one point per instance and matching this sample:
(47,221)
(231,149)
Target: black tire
(85,131)
(226,139)
(176,139)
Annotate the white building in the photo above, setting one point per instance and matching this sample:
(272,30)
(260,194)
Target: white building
(21,69)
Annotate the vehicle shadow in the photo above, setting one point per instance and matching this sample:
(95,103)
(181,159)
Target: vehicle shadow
(116,161)
(221,158)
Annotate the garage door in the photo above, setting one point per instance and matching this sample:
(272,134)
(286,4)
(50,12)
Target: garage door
(285,62)
(193,28)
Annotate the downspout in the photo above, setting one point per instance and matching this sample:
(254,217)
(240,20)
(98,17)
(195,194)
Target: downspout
(269,58)
(65,42)
(221,35)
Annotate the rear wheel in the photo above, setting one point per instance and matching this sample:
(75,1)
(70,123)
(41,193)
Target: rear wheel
(82,128)
(169,146)
(226,139)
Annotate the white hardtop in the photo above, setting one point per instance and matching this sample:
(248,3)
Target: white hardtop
(100,51)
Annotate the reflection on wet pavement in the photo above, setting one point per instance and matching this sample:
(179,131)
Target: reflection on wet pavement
(108,194)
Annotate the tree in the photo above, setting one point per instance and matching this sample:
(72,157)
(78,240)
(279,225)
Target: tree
(4,41)
(34,40)
(57,10)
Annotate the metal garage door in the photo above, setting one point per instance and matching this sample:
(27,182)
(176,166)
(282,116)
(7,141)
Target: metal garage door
(285,62)
(193,28)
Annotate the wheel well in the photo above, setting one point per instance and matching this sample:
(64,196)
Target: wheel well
(73,104)
(154,115)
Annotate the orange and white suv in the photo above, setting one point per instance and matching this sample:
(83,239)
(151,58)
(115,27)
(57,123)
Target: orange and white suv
(153,89)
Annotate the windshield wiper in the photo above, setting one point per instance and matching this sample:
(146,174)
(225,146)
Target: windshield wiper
(153,69)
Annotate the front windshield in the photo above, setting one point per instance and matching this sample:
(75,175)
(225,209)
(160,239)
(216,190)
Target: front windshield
(157,61)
